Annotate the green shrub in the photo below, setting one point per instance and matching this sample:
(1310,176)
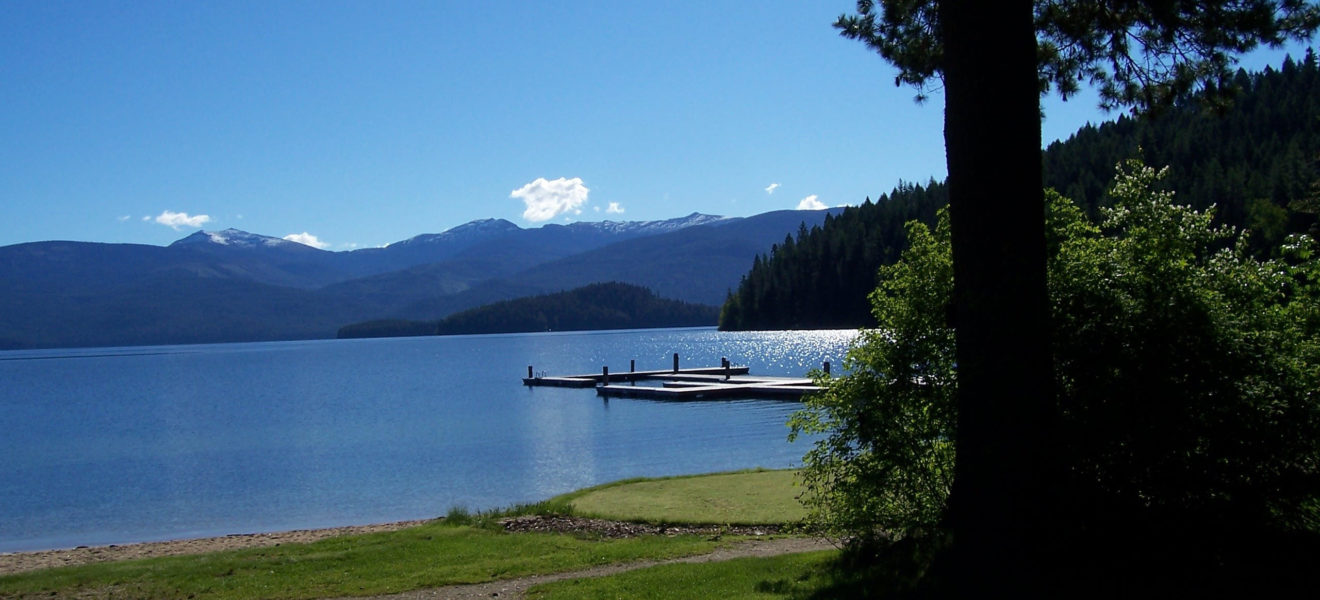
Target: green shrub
(1187,379)
(887,464)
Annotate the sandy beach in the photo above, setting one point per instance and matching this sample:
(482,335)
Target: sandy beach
(761,545)
(18,562)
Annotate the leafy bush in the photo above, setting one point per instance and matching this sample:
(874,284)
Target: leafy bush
(887,463)
(1187,378)
(1188,373)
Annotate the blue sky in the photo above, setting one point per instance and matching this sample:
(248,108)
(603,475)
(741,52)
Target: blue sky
(358,124)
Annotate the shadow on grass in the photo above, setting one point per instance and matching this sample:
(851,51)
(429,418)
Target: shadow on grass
(902,570)
(1206,560)
(1170,563)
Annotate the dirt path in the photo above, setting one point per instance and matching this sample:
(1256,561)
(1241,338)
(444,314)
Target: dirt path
(764,543)
(517,588)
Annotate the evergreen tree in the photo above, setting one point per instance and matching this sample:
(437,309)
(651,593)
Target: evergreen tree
(1137,53)
(1271,132)
(820,279)
(1195,142)
(1186,378)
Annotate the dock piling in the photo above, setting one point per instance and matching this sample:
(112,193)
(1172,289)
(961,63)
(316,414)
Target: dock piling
(827,367)
(693,383)
(675,362)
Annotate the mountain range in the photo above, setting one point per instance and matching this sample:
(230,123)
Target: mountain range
(231,285)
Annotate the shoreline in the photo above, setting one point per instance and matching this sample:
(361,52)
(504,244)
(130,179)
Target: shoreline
(19,562)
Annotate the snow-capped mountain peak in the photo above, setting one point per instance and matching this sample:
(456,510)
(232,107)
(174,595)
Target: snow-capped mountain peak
(472,230)
(234,238)
(649,227)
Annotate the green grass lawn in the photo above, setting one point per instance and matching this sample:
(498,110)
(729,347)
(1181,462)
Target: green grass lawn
(426,556)
(742,498)
(788,576)
(460,549)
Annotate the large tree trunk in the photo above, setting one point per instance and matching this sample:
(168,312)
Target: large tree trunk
(992,138)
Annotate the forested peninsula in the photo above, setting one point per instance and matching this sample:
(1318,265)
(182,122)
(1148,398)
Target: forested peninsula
(610,305)
(1254,160)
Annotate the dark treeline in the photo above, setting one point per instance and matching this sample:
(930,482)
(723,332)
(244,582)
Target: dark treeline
(596,306)
(1255,160)
(820,279)
(386,328)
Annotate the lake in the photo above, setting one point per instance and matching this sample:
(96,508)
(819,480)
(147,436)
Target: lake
(118,445)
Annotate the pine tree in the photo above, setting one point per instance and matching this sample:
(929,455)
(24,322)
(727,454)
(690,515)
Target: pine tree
(1142,54)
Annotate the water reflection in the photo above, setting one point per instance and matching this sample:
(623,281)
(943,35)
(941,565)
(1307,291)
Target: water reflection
(556,432)
(119,445)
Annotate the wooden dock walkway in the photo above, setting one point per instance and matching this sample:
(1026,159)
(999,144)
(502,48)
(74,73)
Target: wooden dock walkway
(701,383)
(595,379)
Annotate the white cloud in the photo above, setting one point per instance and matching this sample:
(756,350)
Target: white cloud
(614,209)
(547,199)
(307,239)
(811,203)
(124,218)
(770,189)
(175,220)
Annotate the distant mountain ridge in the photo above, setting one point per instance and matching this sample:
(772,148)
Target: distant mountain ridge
(231,285)
(239,239)
(609,305)
(484,229)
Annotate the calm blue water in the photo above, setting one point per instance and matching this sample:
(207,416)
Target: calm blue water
(105,446)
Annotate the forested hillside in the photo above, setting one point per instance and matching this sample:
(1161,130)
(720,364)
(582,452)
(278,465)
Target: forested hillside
(596,306)
(820,279)
(1255,160)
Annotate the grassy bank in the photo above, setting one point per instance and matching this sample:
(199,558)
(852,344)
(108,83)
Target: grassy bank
(742,498)
(427,556)
(788,576)
(459,549)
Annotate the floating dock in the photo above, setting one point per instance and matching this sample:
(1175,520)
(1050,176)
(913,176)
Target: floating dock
(700,383)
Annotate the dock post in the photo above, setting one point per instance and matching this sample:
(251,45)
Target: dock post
(827,367)
(632,366)
(605,374)
(675,362)
(724,362)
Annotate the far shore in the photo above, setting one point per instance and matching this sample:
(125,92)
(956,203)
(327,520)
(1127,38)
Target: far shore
(18,562)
